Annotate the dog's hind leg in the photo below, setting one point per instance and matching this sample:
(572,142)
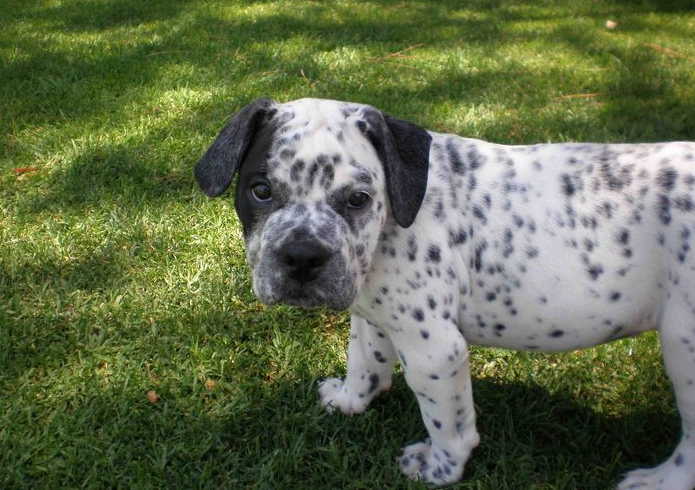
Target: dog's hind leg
(677,335)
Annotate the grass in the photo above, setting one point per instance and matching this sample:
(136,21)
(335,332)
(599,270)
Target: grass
(118,277)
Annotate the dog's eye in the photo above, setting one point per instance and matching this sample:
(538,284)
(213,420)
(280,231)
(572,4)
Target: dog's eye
(261,192)
(358,200)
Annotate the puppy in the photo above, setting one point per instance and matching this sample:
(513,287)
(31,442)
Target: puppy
(434,242)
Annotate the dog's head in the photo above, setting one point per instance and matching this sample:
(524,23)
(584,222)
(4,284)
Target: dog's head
(317,181)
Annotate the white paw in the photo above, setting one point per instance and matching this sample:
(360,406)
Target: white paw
(429,464)
(333,394)
(667,476)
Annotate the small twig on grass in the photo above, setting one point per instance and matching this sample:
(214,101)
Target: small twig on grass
(667,51)
(404,65)
(397,54)
(24,170)
(311,84)
(393,7)
(173,51)
(579,96)
(241,57)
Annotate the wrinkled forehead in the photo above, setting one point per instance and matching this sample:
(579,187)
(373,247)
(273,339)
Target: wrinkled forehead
(320,145)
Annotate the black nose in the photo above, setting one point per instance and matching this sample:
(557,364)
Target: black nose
(303,261)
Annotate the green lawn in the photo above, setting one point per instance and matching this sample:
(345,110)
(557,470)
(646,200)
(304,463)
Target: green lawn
(117,276)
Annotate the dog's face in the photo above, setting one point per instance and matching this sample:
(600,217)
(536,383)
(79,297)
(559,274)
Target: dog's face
(317,181)
(311,197)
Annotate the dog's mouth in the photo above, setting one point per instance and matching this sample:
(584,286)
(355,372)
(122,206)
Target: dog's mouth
(304,299)
(333,288)
(309,296)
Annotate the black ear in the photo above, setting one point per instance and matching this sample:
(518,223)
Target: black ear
(404,149)
(215,170)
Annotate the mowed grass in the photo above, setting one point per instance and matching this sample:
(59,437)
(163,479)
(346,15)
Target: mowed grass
(118,277)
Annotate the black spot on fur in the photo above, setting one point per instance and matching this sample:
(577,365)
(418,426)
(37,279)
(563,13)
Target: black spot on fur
(666,178)
(457,165)
(327,176)
(457,237)
(663,204)
(605,209)
(418,314)
(296,170)
(624,236)
(508,247)
(476,159)
(431,302)
(684,203)
(589,222)
(311,174)
(478,213)
(412,248)
(373,382)
(595,271)
(568,188)
(614,177)
(434,254)
(478,261)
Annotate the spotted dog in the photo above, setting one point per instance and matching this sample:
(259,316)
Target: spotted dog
(434,242)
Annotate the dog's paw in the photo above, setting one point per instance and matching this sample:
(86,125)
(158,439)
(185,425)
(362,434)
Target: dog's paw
(425,462)
(333,395)
(667,476)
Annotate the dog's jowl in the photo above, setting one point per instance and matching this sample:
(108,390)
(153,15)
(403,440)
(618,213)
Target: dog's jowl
(434,242)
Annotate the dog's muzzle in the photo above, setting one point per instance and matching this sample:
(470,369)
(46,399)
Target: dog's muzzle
(305,273)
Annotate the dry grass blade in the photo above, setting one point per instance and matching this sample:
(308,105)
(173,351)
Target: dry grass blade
(666,51)
(397,54)
(579,96)
(309,82)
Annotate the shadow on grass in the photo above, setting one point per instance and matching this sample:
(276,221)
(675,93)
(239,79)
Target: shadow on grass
(64,76)
(641,105)
(659,5)
(275,435)
(118,173)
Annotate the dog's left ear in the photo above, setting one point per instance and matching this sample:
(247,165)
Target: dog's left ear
(215,170)
(404,150)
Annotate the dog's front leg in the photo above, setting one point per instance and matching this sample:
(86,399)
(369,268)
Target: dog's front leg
(437,370)
(370,360)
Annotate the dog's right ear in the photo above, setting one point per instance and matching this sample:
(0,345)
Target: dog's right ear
(215,170)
